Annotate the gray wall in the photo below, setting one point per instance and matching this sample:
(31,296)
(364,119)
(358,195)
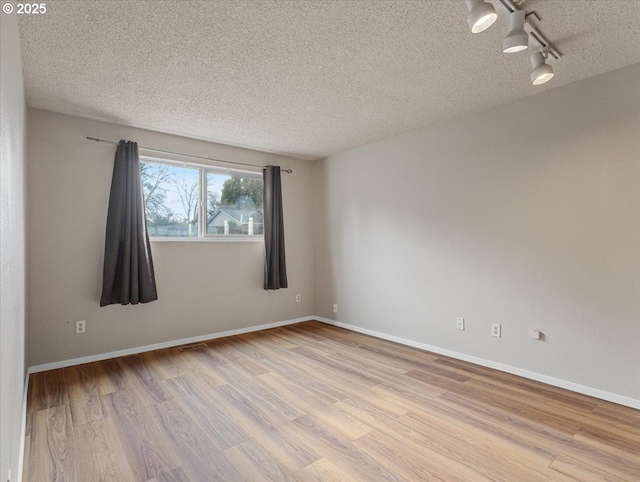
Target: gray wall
(12,246)
(204,287)
(526,215)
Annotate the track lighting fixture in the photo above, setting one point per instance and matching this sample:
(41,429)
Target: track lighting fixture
(517,39)
(482,15)
(542,72)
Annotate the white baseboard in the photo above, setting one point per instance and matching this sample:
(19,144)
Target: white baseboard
(23,429)
(574,387)
(601,394)
(556,382)
(158,346)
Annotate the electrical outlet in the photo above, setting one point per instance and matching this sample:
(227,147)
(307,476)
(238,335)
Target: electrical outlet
(496,330)
(80,327)
(298,298)
(460,323)
(335,307)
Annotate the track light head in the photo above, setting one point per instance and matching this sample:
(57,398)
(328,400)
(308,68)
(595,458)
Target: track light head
(542,72)
(482,15)
(517,38)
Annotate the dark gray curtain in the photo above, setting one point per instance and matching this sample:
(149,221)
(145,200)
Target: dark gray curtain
(275,266)
(128,276)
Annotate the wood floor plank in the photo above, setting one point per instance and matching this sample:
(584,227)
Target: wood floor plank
(117,374)
(348,426)
(346,455)
(573,413)
(414,461)
(83,394)
(200,372)
(364,365)
(609,443)
(100,455)
(530,435)
(301,331)
(581,471)
(99,373)
(323,471)
(52,450)
(231,351)
(200,459)
(304,399)
(449,445)
(267,339)
(175,475)
(602,460)
(289,451)
(521,407)
(393,360)
(389,406)
(533,388)
(305,376)
(145,379)
(325,364)
(255,464)
(208,356)
(48,389)
(396,435)
(315,402)
(517,425)
(444,383)
(220,427)
(384,395)
(617,413)
(509,461)
(608,421)
(309,330)
(167,362)
(411,395)
(148,453)
(252,388)
(379,348)
(306,340)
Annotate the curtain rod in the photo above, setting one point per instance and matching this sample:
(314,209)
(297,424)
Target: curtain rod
(188,155)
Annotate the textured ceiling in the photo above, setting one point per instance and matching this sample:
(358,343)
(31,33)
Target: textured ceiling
(302,78)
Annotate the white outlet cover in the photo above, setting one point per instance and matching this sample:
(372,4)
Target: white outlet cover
(496,330)
(460,323)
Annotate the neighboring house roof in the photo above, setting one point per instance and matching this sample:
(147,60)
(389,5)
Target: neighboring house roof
(239,216)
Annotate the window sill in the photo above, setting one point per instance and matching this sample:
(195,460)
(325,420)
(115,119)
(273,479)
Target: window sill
(208,239)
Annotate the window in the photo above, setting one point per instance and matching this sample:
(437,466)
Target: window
(194,201)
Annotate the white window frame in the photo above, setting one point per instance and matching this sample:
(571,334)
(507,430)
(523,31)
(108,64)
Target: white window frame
(203,170)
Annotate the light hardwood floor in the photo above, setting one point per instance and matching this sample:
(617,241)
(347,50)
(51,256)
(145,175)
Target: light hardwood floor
(315,402)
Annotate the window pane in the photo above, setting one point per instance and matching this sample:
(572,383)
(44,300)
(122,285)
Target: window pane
(171,198)
(234,205)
